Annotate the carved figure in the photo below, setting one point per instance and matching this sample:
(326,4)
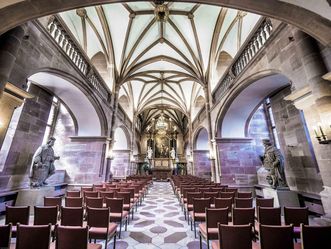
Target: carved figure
(43,164)
(273,161)
(149,152)
(173,153)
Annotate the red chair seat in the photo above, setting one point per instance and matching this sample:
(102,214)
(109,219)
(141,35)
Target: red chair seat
(189,207)
(52,246)
(126,206)
(213,232)
(198,216)
(99,232)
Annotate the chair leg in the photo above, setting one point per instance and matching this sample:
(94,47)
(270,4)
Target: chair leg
(195,230)
(126,224)
(207,243)
(106,243)
(114,241)
(200,239)
(119,235)
(191,224)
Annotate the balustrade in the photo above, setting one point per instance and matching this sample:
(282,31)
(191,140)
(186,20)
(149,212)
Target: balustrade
(256,42)
(62,38)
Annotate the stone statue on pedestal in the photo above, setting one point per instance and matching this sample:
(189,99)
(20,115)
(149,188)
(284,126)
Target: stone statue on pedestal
(173,153)
(43,164)
(273,162)
(149,152)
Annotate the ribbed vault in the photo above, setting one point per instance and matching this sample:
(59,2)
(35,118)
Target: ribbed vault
(160,55)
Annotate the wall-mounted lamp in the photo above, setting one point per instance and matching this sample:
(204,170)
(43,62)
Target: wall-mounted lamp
(320,134)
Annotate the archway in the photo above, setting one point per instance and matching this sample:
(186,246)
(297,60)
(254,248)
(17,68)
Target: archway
(201,162)
(313,18)
(121,153)
(76,100)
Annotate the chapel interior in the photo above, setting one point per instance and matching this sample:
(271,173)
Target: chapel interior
(165,124)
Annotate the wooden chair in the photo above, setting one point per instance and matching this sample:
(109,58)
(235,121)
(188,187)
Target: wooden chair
(73,238)
(99,226)
(244,195)
(209,229)
(45,216)
(72,193)
(264,202)
(94,202)
(296,216)
(5,235)
(17,214)
(189,204)
(198,213)
(126,196)
(53,201)
(211,195)
(275,237)
(268,216)
(243,202)
(234,237)
(313,237)
(73,201)
(72,216)
(117,213)
(36,237)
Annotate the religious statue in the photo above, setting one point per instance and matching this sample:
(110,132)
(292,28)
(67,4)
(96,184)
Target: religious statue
(43,164)
(149,152)
(173,153)
(273,162)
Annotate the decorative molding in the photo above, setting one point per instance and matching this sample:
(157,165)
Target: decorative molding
(233,140)
(90,139)
(16,92)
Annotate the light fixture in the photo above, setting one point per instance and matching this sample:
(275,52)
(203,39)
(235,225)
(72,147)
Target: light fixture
(161,124)
(320,134)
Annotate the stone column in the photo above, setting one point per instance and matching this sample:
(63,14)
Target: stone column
(9,45)
(114,105)
(315,101)
(213,163)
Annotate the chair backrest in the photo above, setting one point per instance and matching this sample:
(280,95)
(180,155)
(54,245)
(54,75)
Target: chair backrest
(191,195)
(227,195)
(83,189)
(313,237)
(17,214)
(264,202)
(235,236)
(72,216)
(36,237)
(90,194)
(106,194)
(223,203)
(73,201)
(217,189)
(186,190)
(125,196)
(45,215)
(243,202)
(244,194)
(71,237)
(211,195)
(204,189)
(243,216)
(296,216)
(129,190)
(269,216)
(94,202)
(200,204)
(73,193)
(115,205)
(5,235)
(215,216)
(275,237)
(97,217)
(53,201)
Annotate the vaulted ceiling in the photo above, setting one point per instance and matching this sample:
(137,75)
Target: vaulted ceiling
(161,56)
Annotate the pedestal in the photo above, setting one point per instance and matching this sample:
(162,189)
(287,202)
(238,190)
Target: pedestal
(282,197)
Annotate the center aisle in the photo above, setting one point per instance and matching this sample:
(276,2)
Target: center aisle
(159,223)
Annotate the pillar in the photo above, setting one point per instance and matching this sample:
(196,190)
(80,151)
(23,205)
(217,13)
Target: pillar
(315,101)
(9,45)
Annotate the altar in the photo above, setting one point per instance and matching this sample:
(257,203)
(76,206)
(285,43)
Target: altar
(161,169)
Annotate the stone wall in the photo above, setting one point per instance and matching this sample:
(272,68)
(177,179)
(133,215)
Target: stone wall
(28,137)
(202,165)
(120,163)
(239,161)
(83,159)
(301,169)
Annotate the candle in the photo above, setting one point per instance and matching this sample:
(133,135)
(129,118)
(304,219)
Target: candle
(315,130)
(320,127)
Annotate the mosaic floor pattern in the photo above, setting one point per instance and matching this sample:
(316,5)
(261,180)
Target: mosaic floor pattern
(159,223)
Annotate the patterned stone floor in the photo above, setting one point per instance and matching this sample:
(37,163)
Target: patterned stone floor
(159,223)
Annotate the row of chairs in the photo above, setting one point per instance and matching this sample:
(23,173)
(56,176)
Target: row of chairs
(271,237)
(39,237)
